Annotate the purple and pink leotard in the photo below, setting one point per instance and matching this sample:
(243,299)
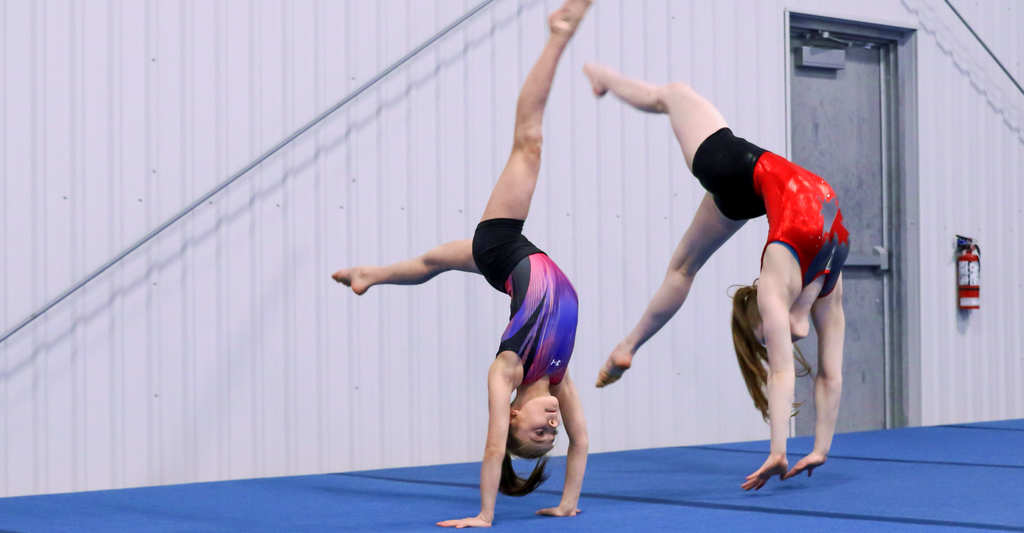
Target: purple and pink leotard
(543,312)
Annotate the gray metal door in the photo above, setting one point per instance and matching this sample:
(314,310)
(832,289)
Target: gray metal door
(839,130)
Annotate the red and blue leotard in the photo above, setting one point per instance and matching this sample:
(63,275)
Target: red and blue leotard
(803,214)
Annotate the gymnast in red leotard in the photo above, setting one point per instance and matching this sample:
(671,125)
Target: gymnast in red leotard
(801,264)
(804,216)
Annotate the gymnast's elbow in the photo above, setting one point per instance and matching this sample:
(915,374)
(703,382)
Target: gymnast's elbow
(494,452)
(579,442)
(831,382)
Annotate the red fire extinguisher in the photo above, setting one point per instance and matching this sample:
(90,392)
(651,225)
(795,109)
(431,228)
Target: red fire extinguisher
(968,266)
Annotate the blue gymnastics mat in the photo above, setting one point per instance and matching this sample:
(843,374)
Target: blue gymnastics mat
(956,477)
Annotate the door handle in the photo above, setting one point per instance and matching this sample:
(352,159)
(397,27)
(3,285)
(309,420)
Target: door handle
(879,259)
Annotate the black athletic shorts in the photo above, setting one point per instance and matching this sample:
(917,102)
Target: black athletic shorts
(498,246)
(724,164)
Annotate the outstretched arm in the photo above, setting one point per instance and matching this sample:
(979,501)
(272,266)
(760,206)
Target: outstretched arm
(454,255)
(773,304)
(576,461)
(830,323)
(779,286)
(500,383)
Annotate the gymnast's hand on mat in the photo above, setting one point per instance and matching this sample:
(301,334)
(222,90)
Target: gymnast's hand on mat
(559,511)
(809,462)
(475,521)
(775,464)
(618,363)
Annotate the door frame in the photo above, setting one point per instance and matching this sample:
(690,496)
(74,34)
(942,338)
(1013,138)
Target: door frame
(902,361)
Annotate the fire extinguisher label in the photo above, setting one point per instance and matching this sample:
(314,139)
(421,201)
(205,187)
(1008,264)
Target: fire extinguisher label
(974,275)
(964,271)
(970,303)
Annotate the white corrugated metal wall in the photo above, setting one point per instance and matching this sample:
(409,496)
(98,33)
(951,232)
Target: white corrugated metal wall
(222,349)
(972,147)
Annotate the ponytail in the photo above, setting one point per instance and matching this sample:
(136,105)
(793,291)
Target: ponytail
(513,485)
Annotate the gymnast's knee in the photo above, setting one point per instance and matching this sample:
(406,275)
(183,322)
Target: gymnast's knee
(673,92)
(528,140)
(683,274)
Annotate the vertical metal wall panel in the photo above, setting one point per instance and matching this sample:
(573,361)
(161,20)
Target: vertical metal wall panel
(222,349)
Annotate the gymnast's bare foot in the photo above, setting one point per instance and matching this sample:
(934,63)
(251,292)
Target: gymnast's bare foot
(356,277)
(593,72)
(564,20)
(618,362)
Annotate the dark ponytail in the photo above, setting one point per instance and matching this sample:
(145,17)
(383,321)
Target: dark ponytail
(513,485)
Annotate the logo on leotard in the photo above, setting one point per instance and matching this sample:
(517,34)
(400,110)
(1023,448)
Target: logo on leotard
(556,362)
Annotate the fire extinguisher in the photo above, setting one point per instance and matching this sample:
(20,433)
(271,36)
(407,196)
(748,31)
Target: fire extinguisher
(968,266)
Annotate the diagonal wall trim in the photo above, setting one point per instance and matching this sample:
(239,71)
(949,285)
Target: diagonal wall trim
(985,46)
(935,24)
(244,170)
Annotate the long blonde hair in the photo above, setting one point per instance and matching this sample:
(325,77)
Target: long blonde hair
(750,354)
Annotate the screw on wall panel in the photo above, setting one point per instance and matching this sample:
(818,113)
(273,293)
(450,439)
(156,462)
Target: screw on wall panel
(65,197)
(140,200)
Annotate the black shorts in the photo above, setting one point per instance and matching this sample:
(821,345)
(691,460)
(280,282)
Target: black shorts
(498,246)
(724,165)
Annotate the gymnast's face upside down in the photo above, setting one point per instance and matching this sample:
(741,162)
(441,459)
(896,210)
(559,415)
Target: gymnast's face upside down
(534,425)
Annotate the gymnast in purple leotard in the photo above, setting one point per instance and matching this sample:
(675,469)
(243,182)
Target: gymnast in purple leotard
(533,355)
(542,322)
